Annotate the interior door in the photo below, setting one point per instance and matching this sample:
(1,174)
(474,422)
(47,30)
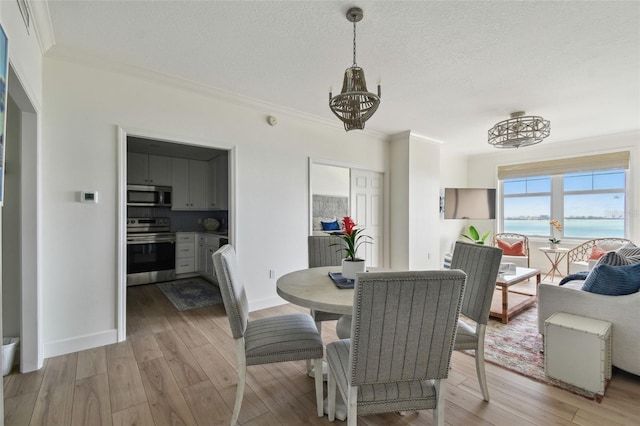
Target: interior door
(367,211)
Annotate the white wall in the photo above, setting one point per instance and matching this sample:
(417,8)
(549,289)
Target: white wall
(330,180)
(453,174)
(415,188)
(83,106)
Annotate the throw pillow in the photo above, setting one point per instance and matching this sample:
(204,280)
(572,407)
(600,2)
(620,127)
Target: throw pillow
(613,280)
(596,253)
(330,226)
(628,250)
(515,249)
(614,258)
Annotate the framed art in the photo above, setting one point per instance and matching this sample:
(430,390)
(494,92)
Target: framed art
(4,74)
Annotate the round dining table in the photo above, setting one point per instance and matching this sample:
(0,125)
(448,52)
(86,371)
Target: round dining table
(313,288)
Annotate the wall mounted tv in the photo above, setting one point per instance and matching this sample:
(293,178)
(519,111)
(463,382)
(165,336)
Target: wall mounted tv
(469,203)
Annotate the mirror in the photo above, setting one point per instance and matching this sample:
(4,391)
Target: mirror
(329,195)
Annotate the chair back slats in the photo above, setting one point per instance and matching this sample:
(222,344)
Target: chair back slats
(233,293)
(481,264)
(404,325)
(323,253)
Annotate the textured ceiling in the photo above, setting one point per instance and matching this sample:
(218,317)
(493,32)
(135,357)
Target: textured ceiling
(449,70)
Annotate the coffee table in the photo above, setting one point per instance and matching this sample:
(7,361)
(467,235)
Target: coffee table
(508,303)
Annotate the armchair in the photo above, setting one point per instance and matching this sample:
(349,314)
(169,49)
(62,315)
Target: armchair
(515,248)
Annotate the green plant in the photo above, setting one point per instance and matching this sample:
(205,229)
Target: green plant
(558,226)
(352,238)
(474,235)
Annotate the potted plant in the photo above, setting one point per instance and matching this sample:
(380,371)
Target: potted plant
(553,240)
(474,235)
(353,238)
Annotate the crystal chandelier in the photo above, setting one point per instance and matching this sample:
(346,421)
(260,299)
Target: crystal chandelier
(354,105)
(519,130)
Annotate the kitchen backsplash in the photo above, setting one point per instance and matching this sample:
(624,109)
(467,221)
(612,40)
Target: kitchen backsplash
(186,221)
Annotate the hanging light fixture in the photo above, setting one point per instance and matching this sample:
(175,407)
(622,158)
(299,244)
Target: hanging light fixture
(519,130)
(354,105)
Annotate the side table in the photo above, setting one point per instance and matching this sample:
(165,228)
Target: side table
(577,350)
(555,256)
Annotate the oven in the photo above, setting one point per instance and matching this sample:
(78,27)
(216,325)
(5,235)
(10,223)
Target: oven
(151,251)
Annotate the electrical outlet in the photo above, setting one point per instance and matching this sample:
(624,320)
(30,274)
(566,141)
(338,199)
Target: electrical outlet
(272,273)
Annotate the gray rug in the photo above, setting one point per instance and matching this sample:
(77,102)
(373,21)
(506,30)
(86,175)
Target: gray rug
(191,293)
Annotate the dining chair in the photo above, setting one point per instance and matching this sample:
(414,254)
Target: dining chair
(481,264)
(324,251)
(402,334)
(279,338)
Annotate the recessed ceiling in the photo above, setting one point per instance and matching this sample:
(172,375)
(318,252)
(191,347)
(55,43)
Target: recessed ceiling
(449,70)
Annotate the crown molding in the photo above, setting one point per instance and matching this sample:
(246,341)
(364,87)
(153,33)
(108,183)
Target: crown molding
(42,24)
(103,64)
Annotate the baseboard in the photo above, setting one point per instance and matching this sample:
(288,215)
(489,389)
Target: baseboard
(266,303)
(80,343)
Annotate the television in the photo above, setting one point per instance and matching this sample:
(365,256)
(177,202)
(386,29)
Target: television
(469,203)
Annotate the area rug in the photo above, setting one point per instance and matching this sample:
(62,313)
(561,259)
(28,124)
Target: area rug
(191,293)
(518,347)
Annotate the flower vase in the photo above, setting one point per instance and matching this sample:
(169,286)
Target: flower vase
(553,246)
(351,267)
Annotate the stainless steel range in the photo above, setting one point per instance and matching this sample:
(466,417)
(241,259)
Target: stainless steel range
(151,250)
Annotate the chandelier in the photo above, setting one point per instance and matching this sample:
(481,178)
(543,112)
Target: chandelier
(519,130)
(354,105)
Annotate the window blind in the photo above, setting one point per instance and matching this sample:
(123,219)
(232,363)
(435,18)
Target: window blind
(588,163)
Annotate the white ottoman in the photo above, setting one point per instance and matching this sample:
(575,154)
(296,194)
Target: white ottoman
(577,350)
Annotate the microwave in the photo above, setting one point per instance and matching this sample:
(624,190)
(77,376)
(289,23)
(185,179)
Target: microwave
(143,195)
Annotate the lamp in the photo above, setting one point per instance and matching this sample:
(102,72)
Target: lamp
(354,105)
(519,130)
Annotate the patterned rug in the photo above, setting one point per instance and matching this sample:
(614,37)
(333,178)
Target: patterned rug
(518,347)
(191,293)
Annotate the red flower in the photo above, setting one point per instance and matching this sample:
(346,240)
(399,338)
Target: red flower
(352,238)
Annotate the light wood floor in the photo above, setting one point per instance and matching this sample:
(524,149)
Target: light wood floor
(179,369)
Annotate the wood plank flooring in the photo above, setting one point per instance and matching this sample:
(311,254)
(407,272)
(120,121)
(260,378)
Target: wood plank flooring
(178,368)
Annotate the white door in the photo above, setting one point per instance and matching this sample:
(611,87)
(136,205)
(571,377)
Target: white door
(367,211)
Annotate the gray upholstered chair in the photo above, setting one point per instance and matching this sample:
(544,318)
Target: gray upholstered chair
(481,264)
(266,340)
(398,357)
(322,252)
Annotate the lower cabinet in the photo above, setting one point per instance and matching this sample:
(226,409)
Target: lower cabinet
(185,252)
(207,245)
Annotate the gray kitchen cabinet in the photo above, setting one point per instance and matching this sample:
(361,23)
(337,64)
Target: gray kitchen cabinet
(207,245)
(218,183)
(185,252)
(188,179)
(147,169)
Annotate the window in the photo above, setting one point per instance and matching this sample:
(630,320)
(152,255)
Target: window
(586,194)
(594,204)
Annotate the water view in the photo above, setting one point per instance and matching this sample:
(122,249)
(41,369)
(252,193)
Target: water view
(573,228)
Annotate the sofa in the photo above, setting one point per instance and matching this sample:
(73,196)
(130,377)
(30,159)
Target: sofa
(578,257)
(621,311)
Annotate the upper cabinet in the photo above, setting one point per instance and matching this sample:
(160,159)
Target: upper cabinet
(218,183)
(146,169)
(189,182)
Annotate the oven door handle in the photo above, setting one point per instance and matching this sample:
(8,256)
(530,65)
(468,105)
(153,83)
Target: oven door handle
(148,241)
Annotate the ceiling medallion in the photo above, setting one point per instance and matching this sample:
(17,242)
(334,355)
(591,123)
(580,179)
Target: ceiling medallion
(519,130)
(354,105)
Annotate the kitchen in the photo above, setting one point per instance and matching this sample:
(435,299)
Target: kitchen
(177,210)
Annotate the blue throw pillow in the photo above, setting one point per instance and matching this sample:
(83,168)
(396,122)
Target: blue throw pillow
(330,226)
(613,280)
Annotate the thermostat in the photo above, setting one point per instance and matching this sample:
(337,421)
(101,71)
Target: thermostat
(89,197)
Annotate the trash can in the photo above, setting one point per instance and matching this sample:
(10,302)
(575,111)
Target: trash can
(9,347)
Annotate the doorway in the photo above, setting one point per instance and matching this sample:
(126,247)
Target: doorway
(21,307)
(133,145)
